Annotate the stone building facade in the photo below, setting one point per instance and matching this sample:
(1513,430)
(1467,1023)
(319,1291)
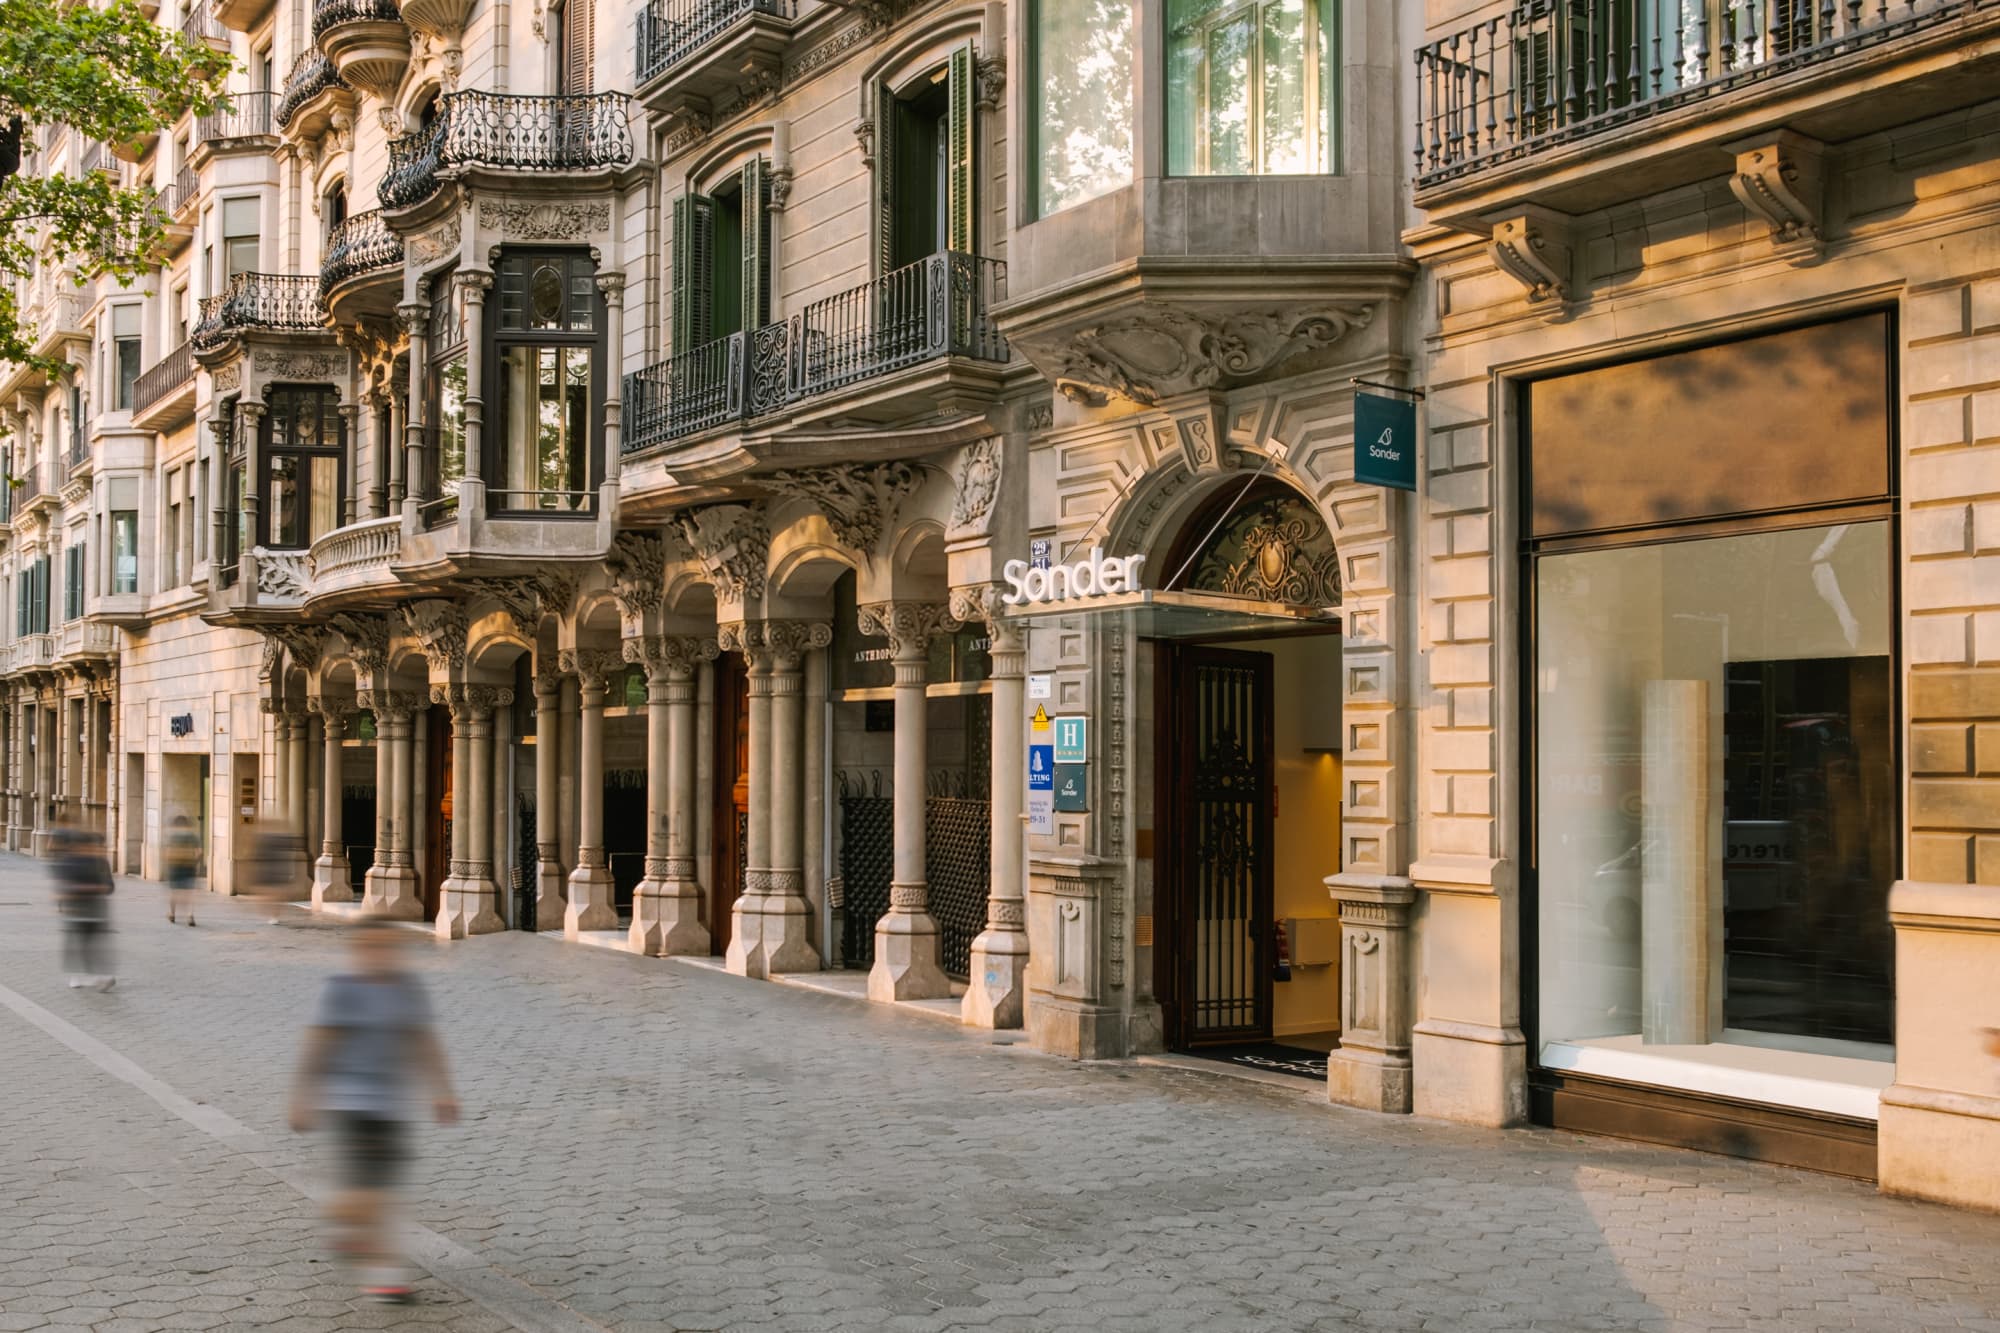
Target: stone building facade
(871,492)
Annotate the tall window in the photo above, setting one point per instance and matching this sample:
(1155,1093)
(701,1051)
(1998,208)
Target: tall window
(73,566)
(550,348)
(720,265)
(1082,118)
(446,389)
(172,575)
(124,551)
(924,165)
(124,355)
(333,209)
(180,315)
(302,448)
(239,237)
(576,38)
(31,603)
(1251,87)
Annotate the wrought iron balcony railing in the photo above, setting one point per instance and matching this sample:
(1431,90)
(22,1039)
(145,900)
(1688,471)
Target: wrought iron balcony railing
(181,193)
(79,450)
(312,74)
(669,31)
(199,25)
(361,244)
(1547,72)
(249,116)
(270,301)
(575,133)
(936,307)
(170,372)
(92,156)
(332,13)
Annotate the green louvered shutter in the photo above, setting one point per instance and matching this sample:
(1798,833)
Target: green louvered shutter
(887,115)
(692,263)
(756,243)
(959,153)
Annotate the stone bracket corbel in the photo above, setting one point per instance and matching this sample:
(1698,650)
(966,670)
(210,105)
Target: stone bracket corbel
(1193,430)
(1781,179)
(1532,246)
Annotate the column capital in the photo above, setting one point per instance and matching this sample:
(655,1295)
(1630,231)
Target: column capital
(471,703)
(612,285)
(415,316)
(777,644)
(391,705)
(1008,636)
(548,683)
(475,283)
(909,626)
(670,656)
(593,667)
(335,709)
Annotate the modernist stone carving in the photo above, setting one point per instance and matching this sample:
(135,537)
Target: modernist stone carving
(439,242)
(908,626)
(300,365)
(1780,179)
(228,378)
(542,221)
(674,655)
(281,574)
(637,562)
(733,543)
(594,667)
(367,642)
(976,485)
(303,642)
(526,598)
(1166,352)
(440,629)
(858,500)
(1532,247)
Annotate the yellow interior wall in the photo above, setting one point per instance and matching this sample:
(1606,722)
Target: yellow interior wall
(1305,679)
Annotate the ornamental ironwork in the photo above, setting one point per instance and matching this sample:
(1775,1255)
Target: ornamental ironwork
(312,74)
(170,372)
(274,301)
(360,244)
(570,133)
(867,862)
(248,115)
(1275,549)
(332,13)
(669,31)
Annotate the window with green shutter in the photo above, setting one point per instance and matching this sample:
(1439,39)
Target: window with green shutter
(926,165)
(721,259)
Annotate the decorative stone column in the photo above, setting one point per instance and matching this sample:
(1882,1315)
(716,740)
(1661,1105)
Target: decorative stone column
(390,886)
(745,955)
(330,882)
(906,938)
(250,439)
(472,485)
(1372,1067)
(551,900)
(469,904)
(666,905)
(590,906)
(786,933)
(996,994)
(612,285)
(404,480)
(350,416)
(295,729)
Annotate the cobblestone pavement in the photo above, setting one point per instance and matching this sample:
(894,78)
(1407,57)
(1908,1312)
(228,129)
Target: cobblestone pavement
(651,1145)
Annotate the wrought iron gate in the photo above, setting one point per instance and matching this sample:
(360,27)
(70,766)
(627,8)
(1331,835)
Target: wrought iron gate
(1224,870)
(957,838)
(867,849)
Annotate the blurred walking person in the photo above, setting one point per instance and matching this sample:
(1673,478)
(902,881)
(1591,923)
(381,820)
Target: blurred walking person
(183,859)
(371,1055)
(83,897)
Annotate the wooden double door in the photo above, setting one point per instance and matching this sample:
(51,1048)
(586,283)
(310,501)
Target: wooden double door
(1214,835)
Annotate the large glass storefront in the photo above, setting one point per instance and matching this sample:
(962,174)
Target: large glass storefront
(1714,823)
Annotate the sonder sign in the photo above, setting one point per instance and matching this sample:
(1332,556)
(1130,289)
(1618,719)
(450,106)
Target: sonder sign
(1094,576)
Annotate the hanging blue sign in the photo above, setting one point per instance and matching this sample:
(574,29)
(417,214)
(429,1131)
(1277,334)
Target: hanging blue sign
(1385,441)
(1041,768)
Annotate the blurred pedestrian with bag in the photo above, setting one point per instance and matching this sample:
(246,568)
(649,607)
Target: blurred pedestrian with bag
(183,853)
(83,898)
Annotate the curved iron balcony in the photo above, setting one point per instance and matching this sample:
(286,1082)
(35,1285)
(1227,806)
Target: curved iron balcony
(669,31)
(278,302)
(332,13)
(937,307)
(575,133)
(361,244)
(312,74)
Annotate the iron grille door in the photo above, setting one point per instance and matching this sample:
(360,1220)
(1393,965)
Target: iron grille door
(1224,844)
(867,861)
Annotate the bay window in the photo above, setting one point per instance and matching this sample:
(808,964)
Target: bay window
(124,551)
(445,388)
(549,350)
(1081,118)
(303,447)
(1251,87)
(125,355)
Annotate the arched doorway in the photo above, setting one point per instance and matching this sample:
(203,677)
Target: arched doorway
(1246,757)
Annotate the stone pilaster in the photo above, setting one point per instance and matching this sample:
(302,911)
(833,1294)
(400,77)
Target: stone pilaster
(330,881)
(551,893)
(906,938)
(468,900)
(1372,1067)
(996,993)
(390,887)
(666,905)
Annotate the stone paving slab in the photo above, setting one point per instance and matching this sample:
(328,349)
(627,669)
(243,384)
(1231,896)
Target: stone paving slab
(654,1146)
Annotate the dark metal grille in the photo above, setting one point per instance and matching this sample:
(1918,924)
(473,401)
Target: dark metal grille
(867,852)
(1227,790)
(936,307)
(1546,72)
(957,862)
(182,192)
(163,377)
(312,74)
(331,13)
(361,244)
(669,31)
(282,301)
(198,25)
(573,133)
(249,116)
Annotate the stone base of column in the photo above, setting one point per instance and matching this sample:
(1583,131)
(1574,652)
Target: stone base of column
(17,837)
(787,937)
(1370,1080)
(906,954)
(331,882)
(392,891)
(997,994)
(666,918)
(745,954)
(551,895)
(589,907)
(42,837)
(467,905)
